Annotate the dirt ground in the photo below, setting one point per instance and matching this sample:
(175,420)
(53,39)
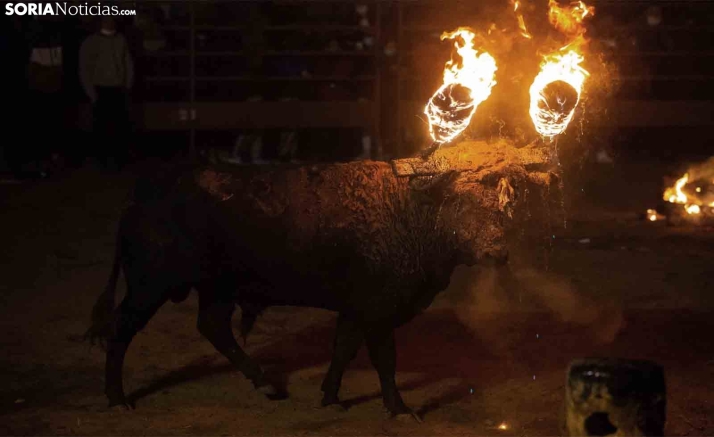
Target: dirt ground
(635,290)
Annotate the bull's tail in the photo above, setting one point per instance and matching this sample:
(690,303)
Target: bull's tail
(101,322)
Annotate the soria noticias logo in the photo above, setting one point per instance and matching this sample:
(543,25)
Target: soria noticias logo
(64,8)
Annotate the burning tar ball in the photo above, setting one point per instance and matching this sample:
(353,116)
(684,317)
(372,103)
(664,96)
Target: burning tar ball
(450,111)
(559,97)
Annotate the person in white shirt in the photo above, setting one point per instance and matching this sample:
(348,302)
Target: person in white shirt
(106,70)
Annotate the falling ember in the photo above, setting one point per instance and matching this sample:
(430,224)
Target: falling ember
(466,85)
(555,92)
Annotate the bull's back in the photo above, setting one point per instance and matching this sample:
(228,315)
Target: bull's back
(305,232)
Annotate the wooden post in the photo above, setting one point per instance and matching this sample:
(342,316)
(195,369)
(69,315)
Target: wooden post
(399,147)
(377,103)
(606,396)
(192,81)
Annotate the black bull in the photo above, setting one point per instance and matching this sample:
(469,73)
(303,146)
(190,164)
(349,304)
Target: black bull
(372,241)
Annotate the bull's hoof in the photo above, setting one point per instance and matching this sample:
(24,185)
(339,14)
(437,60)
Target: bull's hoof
(337,408)
(120,404)
(328,400)
(407,417)
(271,392)
(403,413)
(332,403)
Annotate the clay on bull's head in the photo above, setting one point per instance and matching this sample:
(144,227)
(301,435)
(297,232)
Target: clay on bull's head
(463,208)
(473,212)
(475,187)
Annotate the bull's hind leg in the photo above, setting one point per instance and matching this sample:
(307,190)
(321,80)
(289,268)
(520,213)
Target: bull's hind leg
(132,315)
(348,339)
(214,323)
(383,354)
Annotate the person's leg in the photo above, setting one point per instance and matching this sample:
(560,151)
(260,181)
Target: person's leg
(118,120)
(44,117)
(102,140)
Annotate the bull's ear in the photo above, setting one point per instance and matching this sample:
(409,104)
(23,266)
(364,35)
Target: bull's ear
(435,187)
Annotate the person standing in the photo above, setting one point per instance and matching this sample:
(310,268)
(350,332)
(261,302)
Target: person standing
(45,81)
(16,50)
(106,71)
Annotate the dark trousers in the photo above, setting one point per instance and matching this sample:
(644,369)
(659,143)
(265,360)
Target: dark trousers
(35,124)
(111,127)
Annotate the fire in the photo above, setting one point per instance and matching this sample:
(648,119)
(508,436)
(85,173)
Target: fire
(569,20)
(551,109)
(503,426)
(521,21)
(466,85)
(555,92)
(675,194)
(693,209)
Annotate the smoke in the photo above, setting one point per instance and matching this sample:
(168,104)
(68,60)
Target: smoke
(487,300)
(704,170)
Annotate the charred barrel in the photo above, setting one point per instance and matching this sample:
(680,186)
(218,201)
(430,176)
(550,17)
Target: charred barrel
(615,397)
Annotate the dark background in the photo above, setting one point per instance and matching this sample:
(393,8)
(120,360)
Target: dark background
(308,51)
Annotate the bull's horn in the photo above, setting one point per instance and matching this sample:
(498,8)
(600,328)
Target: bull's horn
(411,167)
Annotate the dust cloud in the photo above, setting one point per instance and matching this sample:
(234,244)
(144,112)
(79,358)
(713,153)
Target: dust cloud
(488,300)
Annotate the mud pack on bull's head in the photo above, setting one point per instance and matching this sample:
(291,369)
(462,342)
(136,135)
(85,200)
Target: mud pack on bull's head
(472,180)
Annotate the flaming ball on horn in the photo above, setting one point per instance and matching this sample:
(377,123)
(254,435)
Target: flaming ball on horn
(466,85)
(555,92)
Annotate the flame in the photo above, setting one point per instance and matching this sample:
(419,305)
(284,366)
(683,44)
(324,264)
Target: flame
(551,120)
(521,21)
(503,426)
(466,85)
(569,19)
(652,215)
(675,194)
(550,108)
(692,209)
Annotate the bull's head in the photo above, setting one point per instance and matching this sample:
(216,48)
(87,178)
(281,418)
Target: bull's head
(477,188)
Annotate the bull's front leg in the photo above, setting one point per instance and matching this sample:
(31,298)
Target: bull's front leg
(214,323)
(383,354)
(348,339)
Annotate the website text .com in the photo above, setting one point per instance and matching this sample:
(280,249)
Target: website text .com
(62,8)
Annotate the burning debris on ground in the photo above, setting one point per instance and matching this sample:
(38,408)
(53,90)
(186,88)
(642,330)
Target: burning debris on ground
(688,199)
